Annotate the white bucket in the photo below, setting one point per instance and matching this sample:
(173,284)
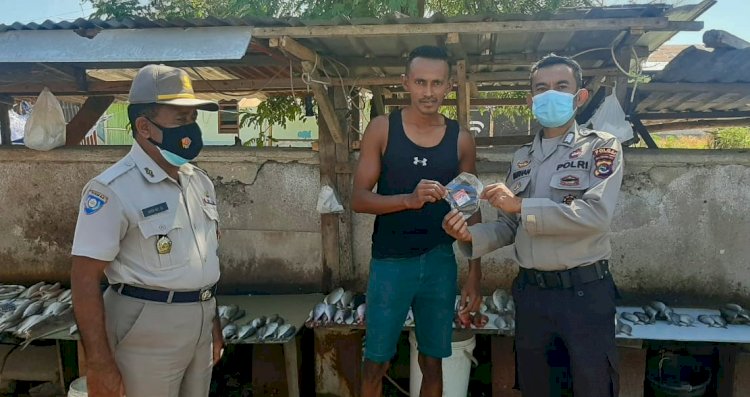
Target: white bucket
(78,388)
(456,368)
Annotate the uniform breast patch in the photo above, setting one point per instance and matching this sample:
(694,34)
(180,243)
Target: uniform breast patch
(570,180)
(580,164)
(576,153)
(604,158)
(154,209)
(94,202)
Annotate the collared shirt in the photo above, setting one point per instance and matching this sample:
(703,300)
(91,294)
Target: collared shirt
(153,231)
(569,197)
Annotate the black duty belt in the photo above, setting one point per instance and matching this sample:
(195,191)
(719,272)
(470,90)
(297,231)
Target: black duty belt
(165,296)
(566,278)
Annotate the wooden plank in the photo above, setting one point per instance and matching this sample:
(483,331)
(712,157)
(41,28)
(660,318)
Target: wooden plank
(514,140)
(475,102)
(729,356)
(462,95)
(693,115)
(719,88)
(455,48)
(503,367)
(649,24)
(338,362)
(324,105)
(698,124)
(723,39)
(5,134)
(329,227)
(377,100)
(344,191)
(293,47)
(643,132)
(86,118)
(62,88)
(291,364)
(632,371)
(268,371)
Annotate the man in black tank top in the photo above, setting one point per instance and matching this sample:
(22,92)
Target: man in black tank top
(411,154)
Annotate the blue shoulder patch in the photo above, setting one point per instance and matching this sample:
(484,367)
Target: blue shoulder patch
(94,202)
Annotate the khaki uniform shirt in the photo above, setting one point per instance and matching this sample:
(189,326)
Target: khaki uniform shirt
(153,231)
(569,197)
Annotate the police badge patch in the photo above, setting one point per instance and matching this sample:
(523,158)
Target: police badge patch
(94,202)
(604,159)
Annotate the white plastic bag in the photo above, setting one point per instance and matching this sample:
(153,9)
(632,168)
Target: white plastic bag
(45,128)
(327,201)
(611,118)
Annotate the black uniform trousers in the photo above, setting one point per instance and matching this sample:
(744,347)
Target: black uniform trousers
(582,318)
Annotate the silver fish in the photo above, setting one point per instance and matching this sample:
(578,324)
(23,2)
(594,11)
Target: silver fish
(33,308)
(622,328)
(246,331)
(47,325)
(510,307)
(31,290)
(651,313)
(229,331)
(50,294)
(685,320)
(52,307)
(720,321)
(282,330)
(73,329)
(223,322)
(630,317)
(11,291)
(318,312)
(258,322)
(643,317)
(510,321)
(361,310)
(28,322)
(659,306)
(288,333)
(350,318)
(269,330)
(329,313)
(228,311)
(500,299)
(50,287)
(708,320)
(734,307)
(334,297)
(338,318)
(500,323)
(347,298)
(65,296)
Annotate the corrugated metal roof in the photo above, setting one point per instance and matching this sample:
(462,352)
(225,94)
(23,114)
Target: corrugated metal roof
(376,56)
(721,78)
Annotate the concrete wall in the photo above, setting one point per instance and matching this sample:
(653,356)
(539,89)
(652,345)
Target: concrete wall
(680,230)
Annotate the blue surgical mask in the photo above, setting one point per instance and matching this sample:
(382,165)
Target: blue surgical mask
(172,158)
(553,108)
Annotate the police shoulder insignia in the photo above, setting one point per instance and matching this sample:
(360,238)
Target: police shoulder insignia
(569,138)
(94,202)
(604,159)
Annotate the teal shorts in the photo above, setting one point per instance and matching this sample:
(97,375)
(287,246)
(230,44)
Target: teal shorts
(427,284)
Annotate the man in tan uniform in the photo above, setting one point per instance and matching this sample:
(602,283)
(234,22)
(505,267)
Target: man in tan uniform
(556,205)
(149,224)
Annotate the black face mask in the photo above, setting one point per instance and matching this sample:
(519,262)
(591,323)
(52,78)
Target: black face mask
(182,143)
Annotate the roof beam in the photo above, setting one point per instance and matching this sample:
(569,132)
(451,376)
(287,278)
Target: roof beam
(324,104)
(693,115)
(649,24)
(718,88)
(86,118)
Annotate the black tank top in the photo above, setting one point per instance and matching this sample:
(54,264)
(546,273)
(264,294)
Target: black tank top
(413,232)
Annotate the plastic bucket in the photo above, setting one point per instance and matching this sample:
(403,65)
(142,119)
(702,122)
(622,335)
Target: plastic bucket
(677,376)
(78,388)
(456,368)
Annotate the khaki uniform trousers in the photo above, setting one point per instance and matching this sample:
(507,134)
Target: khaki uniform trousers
(161,349)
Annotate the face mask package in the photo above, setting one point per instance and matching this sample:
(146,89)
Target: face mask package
(463,193)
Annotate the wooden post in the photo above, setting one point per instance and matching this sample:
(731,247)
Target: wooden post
(377,100)
(462,95)
(503,367)
(329,227)
(5,135)
(338,361)
(344,188)
(87,116)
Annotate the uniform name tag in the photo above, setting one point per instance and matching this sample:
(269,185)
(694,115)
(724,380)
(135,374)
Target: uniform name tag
(154,209)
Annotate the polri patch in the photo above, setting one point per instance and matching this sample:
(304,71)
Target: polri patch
(604,158)
(94,202)
(154,209)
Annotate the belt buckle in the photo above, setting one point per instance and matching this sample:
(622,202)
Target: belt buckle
(206,294)
(540,279)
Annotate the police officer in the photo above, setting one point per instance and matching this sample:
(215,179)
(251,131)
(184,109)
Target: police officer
(557,205)
(149,224)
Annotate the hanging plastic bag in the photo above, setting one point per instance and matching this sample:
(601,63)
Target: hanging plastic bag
(463,193)
(327,201)
(45,128)
(611,118)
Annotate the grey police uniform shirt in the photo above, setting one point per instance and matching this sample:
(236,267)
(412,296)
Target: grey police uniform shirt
(155,232)
(569,197)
